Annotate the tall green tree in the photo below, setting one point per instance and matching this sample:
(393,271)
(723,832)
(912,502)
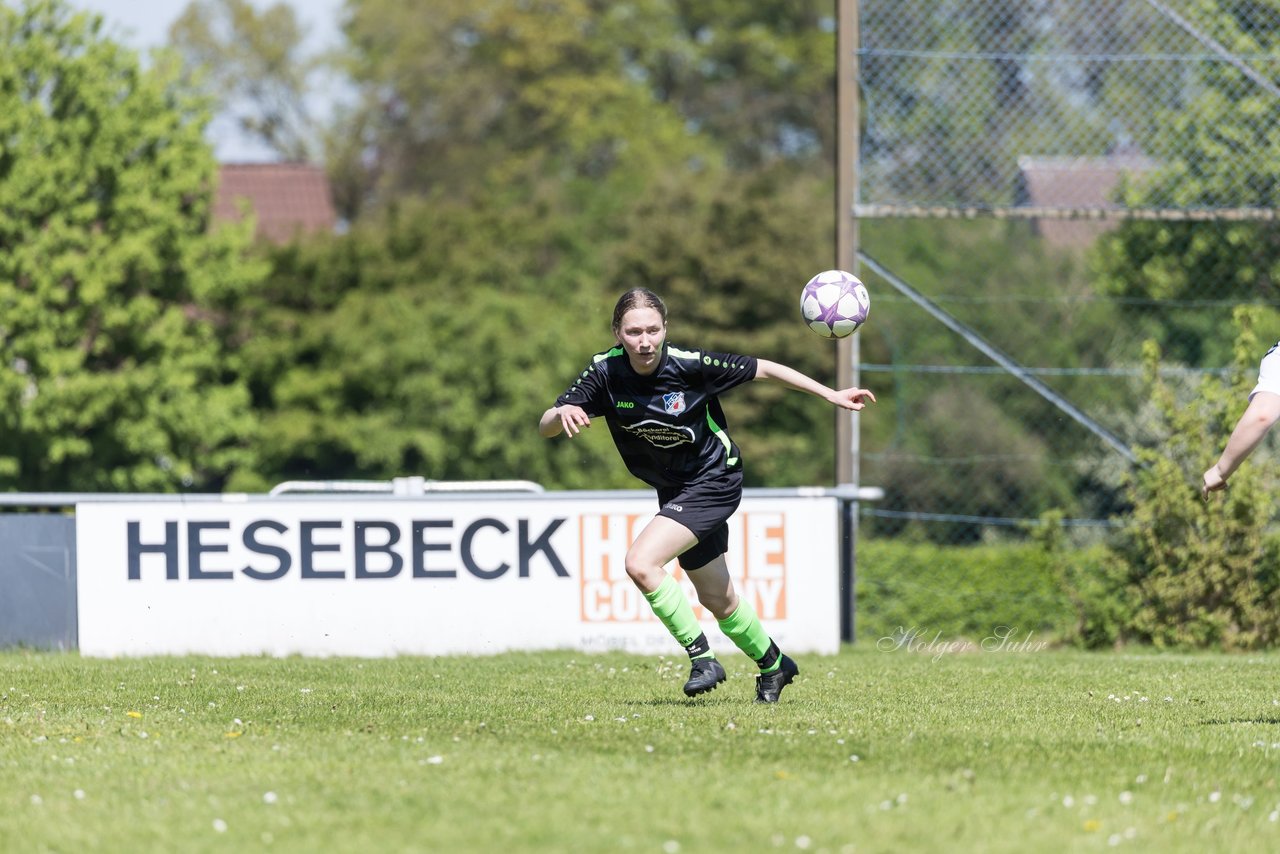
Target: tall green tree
(111,282)
(449,90)
(256,68)
(455,94)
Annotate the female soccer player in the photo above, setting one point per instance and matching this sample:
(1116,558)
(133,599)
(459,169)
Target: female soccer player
(661,405)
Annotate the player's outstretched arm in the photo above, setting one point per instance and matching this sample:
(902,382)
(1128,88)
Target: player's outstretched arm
(1258,418)
(569,418)
(848,398)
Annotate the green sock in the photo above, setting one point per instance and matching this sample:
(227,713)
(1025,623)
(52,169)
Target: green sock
(672,607)
(744,628)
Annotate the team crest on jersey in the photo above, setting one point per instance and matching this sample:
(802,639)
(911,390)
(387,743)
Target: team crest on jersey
(674,402)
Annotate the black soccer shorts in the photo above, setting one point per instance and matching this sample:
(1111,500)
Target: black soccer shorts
(704,508)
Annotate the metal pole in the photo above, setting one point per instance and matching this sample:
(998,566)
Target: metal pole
(847,351)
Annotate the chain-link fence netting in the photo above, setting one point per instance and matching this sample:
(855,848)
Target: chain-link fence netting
(1043,186)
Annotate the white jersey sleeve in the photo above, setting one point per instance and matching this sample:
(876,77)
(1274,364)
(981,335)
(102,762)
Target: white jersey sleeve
(1269,372)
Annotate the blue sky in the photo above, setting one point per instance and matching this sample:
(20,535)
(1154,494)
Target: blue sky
(144,24)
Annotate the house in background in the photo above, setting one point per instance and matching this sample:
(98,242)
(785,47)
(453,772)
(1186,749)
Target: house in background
(289,199)
(1079,183)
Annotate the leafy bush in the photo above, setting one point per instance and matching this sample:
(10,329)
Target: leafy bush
(1195,573)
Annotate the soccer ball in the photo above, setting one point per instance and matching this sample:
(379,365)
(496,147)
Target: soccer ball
(835,304)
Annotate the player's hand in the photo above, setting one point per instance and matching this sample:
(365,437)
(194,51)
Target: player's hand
(853,398)
(1213,481)
(573,419)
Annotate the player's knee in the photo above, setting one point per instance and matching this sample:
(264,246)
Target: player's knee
(721,605)
(646,574)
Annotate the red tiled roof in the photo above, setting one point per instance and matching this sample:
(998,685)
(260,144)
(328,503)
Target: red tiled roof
(288,198)
(1081,183)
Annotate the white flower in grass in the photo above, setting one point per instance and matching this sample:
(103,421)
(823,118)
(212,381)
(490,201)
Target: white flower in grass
(648,748)
(1114,839)
(1214,797)
(1068,802)
(855,758)
(1126,797)
(671,846)
(1274,816)
(803,842)
(36,800)
(589,717)
(78,794)
(435,760)
(219,826)
(269,797)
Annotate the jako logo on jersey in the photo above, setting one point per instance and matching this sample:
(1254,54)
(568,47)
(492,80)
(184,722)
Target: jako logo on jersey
(676,507)
(625,404)
(674,402)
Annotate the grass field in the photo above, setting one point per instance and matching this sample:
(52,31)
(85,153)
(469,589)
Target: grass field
(869,751)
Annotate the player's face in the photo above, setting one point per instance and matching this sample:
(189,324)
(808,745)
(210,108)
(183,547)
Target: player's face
(640,334)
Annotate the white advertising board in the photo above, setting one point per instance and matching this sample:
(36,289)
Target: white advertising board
(373,577)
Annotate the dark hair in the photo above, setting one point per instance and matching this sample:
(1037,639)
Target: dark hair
(638,298)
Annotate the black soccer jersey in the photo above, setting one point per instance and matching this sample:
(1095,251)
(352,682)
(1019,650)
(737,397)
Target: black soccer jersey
(668,426)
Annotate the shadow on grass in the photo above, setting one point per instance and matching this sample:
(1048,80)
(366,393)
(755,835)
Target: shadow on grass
(690,702)
(1223,722)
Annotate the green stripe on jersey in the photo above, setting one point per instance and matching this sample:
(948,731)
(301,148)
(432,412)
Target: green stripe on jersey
(723,437)
(684,354)
(616,351)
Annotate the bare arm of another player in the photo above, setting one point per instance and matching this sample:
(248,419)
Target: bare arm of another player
(1262,413)
(848,398)
(569,418)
